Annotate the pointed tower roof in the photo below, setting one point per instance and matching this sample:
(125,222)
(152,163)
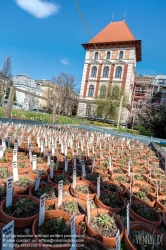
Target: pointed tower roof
(115,35)
(114,32)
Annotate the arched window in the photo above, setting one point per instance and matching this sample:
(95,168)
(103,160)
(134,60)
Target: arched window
(96,55)
(102,91)
(108,55)
(118,72)
(91,91)
(105,71)
(121,55)
(88,109)
(94,71)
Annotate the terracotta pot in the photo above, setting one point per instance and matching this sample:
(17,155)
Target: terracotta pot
(18,222)
(164,218)
(122,193)
(151,203)
(107,241)
(51,214)
(43,177)
(65,187)
(138,226)
(23,190)
(144,186)
(48,201)
(134,216)
(100,204)
(81,202)
(158,202)
(80,195)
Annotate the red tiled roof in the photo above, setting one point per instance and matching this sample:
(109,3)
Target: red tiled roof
(114,32)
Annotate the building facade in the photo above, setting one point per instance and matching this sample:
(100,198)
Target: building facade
(23,100)
(110,60)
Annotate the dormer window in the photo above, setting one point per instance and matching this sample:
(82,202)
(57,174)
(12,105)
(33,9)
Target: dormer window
(96,55)
(121,55)
(108,55)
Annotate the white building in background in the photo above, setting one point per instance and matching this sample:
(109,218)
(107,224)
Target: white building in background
(24,82)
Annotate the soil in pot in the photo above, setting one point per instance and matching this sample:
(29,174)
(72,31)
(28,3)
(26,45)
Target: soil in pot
(141,195)
(111,200)
(104,224)
(144,211)
(72,207)
(52,227)
(60,177)
(50,192)
(23,208)
(120,178)
(2,191)
(5,173)
(92,177)
(23,185)
(112,187)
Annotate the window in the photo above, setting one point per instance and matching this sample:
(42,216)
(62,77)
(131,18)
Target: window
(88,109)
(96,55)
(105,71)
(108,55)
(121,55)
(102,91)
(118,72)
(91,91)
(94,71)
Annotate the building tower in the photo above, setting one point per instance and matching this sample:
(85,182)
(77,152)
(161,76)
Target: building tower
(110,59)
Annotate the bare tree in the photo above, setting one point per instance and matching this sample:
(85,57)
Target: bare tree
(7,67)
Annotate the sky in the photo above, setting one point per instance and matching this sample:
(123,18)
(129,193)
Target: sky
(44,37)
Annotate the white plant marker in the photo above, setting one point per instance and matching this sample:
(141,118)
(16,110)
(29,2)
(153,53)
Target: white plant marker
(15,171)
(49,158)
(42,208)
(157,190)
(128,218)
(16,146)
(74,176)
(8,236)
(37,183)
(9,192)
(41,146)
(98,187)
(52,169)
(75,161)
(83,168)
(34,162)
(88,208)
(1,152)
(15,155)
(66,163)
(30,155)
(73,232)
(129,166)
(60,191)
(4,143)
(118,240)
(9,142)
(110,163)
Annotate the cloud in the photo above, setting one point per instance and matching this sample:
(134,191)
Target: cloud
(64,61)
(38,8)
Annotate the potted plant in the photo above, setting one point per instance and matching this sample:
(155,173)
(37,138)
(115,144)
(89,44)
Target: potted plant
(142,230)
(23,210)
(56,222)
(142,212)
(141,195)
(105,223)
(23,185)
(67,180)
(82,189)
(23,167)
(110,201)
(5,173)
(114,187)
(161,203)
(2,191)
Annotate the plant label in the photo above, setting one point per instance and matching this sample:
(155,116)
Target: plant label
(44,151)
(74,176)
(9,192)
(39,173)
(1,152)
(34,162)
(49,158)
(157,190)
(60,190)
(30,154)
(110,163)
(14,155)
(129,166)
(4,143)
(9,142)
(118,240)
(8,236)
(16,146)
(73,232)
(83,168)
(128,218)
(98,187)
(37,183)
(66,163)
(15,171)
(42,208)
(88,208)
(75,162)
